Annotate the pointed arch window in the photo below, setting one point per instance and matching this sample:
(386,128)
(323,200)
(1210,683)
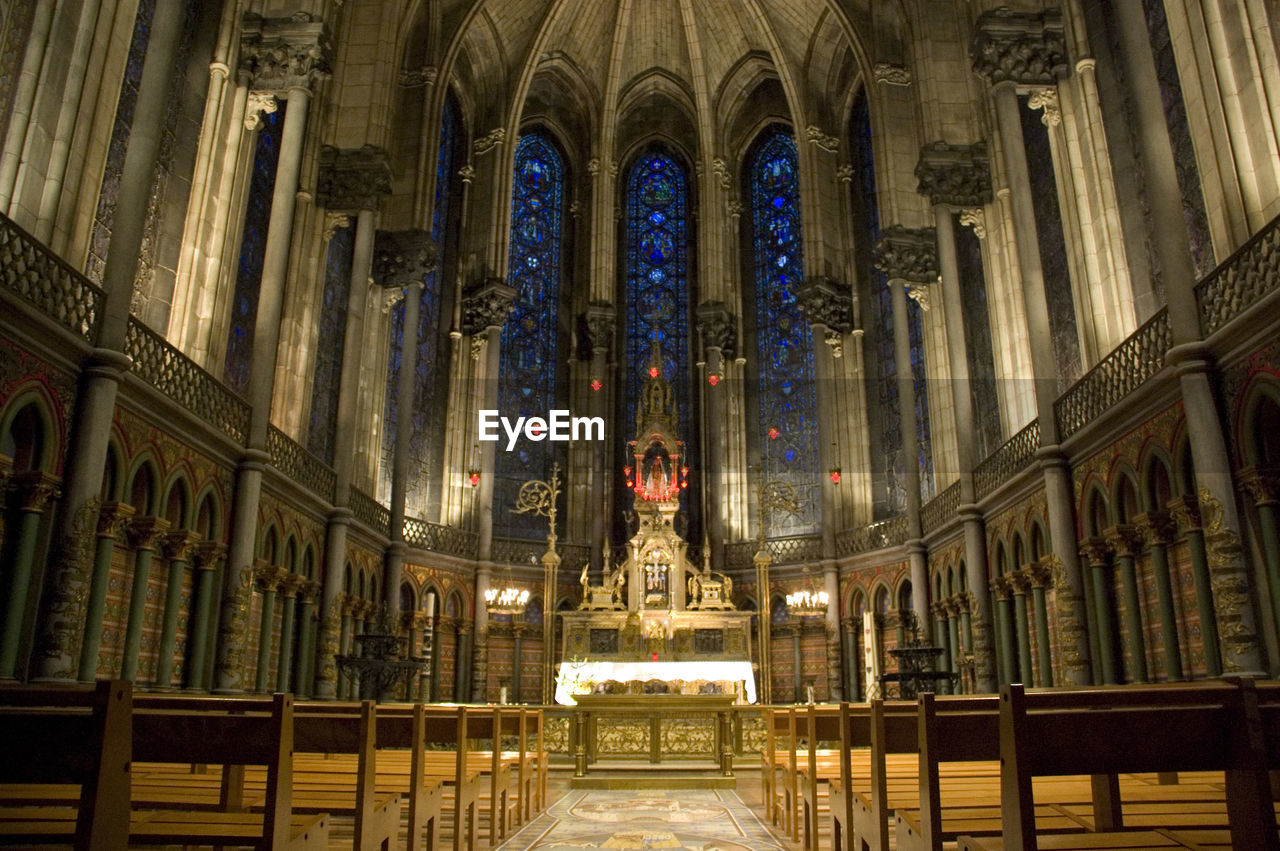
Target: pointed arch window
(657,246)
(528,383)
(784,344)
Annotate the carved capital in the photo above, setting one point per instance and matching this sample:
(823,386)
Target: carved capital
(279,54)
(1096,551)
(1046,99)
(958,175)
(1041,574)
(112,518)
(413,78)
(599,320)
(820,140)
(487,306)
(1157,528)
(257,104)
(1125,540)
(207,554)
(1025,48)
(490,140)
(332,221)
(349,605)
(35,490)
(291,584)
(718,328)
(720,170)
(919,293)
(976,219)
(891,75)
(179,544)
(353,178)
(1263,485)
(145,532)
(268,576)
(401,258)
(1185,511)
(826,302)
(908,254)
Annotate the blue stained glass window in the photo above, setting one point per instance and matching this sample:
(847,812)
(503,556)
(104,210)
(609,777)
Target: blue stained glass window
(329,344)
(527,382)
(253,245)
(657,298)
(424,455)
(788,396)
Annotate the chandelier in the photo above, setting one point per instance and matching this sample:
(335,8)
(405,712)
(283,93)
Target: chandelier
(807,601)
(508,600)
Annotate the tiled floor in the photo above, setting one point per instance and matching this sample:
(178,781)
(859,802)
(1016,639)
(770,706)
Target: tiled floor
(697,820)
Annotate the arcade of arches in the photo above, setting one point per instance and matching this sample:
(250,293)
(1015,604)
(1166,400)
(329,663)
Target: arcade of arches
(968,318)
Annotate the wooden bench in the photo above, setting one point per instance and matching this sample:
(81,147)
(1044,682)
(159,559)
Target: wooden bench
(813,725)
(235,734)
(779,797)
(1104,734)
(72,745)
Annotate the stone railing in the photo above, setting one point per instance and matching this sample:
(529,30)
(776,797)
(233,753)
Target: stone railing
(38,275)
(1007,461)
(879,535)
(940,510)
(517,551)
(292,458)
(800,549)
(572,558)
(450,540)
(177,376)
(1117,375)
(1240,280)
(370,512)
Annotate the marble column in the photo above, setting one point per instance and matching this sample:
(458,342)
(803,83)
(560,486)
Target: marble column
(1020,584)
(1185,511)
(479,663)
(90,430)
(350,180)
(1263,486)
(145,534)
(178,547)
(285,58)
(1158,530)
(308,628)
(1099,552)
(717,328)
(35,491)
(289,587)
(762,560)
(208,557)
(1233,598)
(269,579)
(1012,49)
(600,320)
(1124,540)
(112,519)
(347,605)
(1040,580)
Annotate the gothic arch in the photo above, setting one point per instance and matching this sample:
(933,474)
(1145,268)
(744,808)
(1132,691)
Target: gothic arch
(27,433)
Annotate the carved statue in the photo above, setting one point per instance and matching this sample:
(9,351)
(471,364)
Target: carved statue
(608,595)
(709,589)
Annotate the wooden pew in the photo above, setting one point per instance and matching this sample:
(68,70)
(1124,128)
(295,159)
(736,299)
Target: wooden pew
(242,735)
(1200,729)
(815,724)
(777,720)
(67,736)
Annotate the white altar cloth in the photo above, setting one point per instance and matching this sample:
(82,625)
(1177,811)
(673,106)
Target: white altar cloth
(599,672)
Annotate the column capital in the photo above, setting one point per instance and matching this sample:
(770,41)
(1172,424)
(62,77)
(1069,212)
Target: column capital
(412,78)
(291,584)
(599,320)
(35,489)
(145,532)
(1185,511)
(1156,527)
(1096,551)
(825,301)
(268,576)
(1041,573)
(908,254)
(207,554)
(280,54)
(1262,484)
(718,327)
(353,178)
(487,305)
(179,544)
(1024,48)
(956,175)
(1003,586)
(401,258)
(6,469)
(112,517)
(347,604)
(1125,540)
(308,591)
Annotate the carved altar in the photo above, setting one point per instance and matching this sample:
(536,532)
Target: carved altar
(656,624)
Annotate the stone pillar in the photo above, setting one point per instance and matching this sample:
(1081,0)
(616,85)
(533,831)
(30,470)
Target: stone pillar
(289,587)
(1099,551)
(550,574)
(1039,581)
(283,58)
(1186,513)
(479,662)
(269,579)
(1126,543)
(762,561)
(1158,530)
(112,518)
(347,605)
(1263,486)
(35,491)
(207,557)
(717,329)
(307,592)
(600,319)
(462,686)
(351,180)
(1006,630)
(145,533)
(939,612)
(958,177)
(1012,49)
(517,662)
(909,257)
(178,547)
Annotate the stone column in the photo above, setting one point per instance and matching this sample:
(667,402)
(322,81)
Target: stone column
(289,587)
(284,58)
(1040,579)
(207,557)
(347,605)
(462,687)
(1185,511)
(112,518)
(1264,488)
(35,491)
(795,630)
(957,177)
(717,329)
(1003,590)
(1126,543)
(145,534)
(762,560)
(1099,552)
(517,662)
(443,624)
(479,663)
(307,592)
(939,612)
(600,319)
(24,97)
(851,660)
(1012,49)
(178,546)
(269,579)
(1020,584)
(352,180)
(1158,530)
(550,580)
(909,257)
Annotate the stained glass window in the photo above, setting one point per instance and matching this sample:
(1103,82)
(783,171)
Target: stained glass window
(329,343)
(253,244)
(530,339)
(424,454)
(657,297)
(788,398)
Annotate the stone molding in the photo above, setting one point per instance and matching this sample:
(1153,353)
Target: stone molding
(279,54)
(1024,48)
(718,328)
(908,254)
(353,178)
(401,258)
(957,175)
(487,306)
